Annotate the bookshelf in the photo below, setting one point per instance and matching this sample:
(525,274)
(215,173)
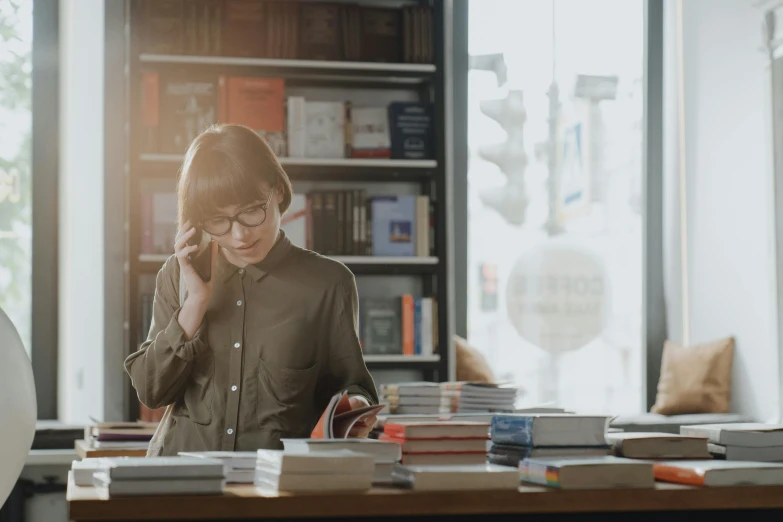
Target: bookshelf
(307,77)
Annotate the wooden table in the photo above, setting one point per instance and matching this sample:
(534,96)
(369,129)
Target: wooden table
(85,450)
(244,502)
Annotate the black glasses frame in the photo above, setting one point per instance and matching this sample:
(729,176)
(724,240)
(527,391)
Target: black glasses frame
(238,217)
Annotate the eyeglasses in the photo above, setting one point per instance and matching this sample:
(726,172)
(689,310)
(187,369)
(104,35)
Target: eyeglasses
(250,217)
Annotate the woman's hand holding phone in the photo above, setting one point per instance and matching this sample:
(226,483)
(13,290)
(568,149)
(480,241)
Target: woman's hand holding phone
(199,292)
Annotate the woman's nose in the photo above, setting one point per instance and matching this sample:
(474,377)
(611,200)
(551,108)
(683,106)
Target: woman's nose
(238,231)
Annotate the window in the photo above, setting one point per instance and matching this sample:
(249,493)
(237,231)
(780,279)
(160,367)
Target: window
(555,267)
(16,28)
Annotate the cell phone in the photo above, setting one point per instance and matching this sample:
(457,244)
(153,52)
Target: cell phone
(201,259)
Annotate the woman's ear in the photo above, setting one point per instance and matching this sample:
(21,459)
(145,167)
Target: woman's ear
(279,197)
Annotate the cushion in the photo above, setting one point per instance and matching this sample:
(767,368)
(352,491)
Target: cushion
(471,365)
(695,379)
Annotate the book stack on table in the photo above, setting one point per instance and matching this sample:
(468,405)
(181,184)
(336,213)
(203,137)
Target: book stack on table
(439,443)
(238,466)
(120,435)
(741,441)
(456,478)
(337,470)
(385,454)
(141,476)
(411,397)
(516,437)
(469,397)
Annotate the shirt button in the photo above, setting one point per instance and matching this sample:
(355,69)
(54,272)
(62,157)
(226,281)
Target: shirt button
(236,345)
(241,271)
(229,431)
(233,388)
(239,303)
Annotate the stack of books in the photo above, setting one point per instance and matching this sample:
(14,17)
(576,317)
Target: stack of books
(141,476)
(469,397)
(649,445)
(120,435)
(741,441)
(439,443)
(337,470)
(411,398)
(385,454)
(83,470)
(238,466)
(455,478)
(517,437)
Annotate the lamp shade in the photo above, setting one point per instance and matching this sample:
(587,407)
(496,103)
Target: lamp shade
(18,406)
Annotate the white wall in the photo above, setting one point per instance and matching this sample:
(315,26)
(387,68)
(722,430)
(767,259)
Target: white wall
(731,263)
(81,226)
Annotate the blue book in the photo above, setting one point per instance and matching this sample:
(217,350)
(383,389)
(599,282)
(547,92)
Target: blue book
(549,430)
(393,225)
(412,130)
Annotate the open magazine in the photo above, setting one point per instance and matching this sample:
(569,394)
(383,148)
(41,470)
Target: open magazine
(338,418)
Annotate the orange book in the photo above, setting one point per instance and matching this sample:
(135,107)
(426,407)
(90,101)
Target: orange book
(258,103)
(407,325)
(338,418)
(437,430)
(693,476)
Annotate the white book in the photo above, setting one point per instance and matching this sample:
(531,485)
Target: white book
(381,451)
(294,221)
(231,459)
(450,478)
(108,487)
(299,482)
(370,132)
(422,226)
(754,435)
(296,128)
(765,454)
(383,473)
(240,476)
(426,325)
(644,445)
(325,129)
(411,400)
(163,468)
(597,472)
(423,388)
(84,469)
(324,462)
(444,459)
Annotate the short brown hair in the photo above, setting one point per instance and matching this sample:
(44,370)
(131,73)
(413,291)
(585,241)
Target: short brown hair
(225,166)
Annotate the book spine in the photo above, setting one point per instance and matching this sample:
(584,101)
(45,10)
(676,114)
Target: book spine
(296,127)
(357,223)
(678,475)
(539,474)
(317,199)
(348,225)
(329,230)
(368,240)
(512,430)
(426,326)
(340,227)
(417,326)
(308,222)
(150,111)
(407,325)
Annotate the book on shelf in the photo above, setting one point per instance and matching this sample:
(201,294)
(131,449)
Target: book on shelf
(404,325)
(645,445)
(325,129)
(287,30)
(188,106)
(720,473)
(738,434)
(596,472)
(338,418)
(370,133)
(257,103)
(412,130)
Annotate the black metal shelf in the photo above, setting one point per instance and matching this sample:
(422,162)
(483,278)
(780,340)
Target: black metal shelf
(316,169)
(359,265)
(389,362)
(303,71)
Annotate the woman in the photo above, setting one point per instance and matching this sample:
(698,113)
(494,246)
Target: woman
(255,354)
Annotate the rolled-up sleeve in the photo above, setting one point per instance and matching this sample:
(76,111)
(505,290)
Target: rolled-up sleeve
(159,370)
(346,368)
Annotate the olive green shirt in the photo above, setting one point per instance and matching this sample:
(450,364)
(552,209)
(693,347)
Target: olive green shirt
(278,339)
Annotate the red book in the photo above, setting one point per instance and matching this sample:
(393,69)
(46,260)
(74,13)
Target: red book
(445,445)
(437,430)
(338,418)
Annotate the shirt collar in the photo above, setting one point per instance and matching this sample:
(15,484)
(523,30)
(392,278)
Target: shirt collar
(277,253)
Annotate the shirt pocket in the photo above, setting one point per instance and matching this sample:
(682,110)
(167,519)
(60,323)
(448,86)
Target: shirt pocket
(285,398)
(200,391)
